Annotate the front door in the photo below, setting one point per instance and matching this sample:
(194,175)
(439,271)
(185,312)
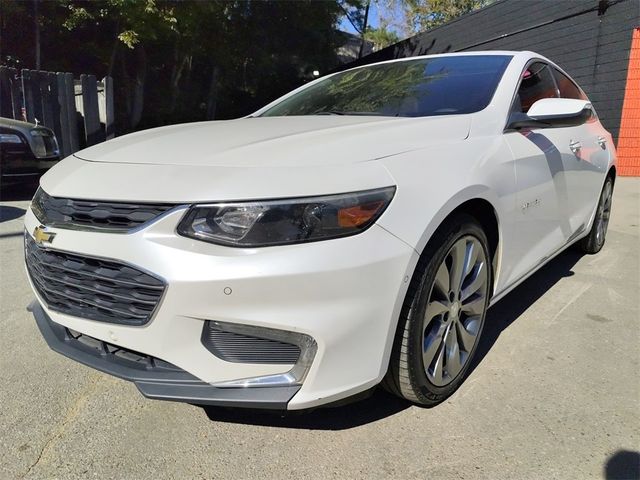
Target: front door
(546,164)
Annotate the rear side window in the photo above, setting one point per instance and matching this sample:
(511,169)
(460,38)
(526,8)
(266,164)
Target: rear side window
(567,88)
(536,83)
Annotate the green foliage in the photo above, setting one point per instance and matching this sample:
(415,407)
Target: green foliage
(354,11)
(77,16)
(381,37)
(414,16)
(422,15)
(175,61)
(129,38)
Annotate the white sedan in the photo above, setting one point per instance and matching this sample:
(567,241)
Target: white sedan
(351,233)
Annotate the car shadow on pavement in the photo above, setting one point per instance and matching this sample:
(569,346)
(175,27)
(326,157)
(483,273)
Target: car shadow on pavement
(382,404)
(10,213)
(376,407)
(622,465)
(511,307)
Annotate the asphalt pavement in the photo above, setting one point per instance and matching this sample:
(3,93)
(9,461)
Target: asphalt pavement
(555,394)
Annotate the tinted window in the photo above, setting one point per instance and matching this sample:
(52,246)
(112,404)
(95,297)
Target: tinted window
(414,88)
(567,88)
(537,83)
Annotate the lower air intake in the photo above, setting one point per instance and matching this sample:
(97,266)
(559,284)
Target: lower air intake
(232,343)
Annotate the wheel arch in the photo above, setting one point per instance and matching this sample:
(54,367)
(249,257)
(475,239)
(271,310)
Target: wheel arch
(480,204)
(486,215)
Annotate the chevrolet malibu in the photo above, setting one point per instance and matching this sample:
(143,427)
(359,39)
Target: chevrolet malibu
(351,233)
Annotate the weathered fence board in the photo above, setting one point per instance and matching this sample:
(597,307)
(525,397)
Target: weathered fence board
(81,113)
(47,100)
(54,102)
(94,134)
(10,94)
(72,113)
(109,112)
(30,105)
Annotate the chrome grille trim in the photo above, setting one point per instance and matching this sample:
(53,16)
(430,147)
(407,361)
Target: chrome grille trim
(96,215)
(92,288)
(247,344)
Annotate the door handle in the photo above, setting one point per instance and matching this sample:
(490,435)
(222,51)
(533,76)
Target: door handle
(575,146)
(602,142)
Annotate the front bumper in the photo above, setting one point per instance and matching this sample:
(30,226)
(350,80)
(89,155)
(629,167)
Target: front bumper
(346,294)
(16,165)
(155,379)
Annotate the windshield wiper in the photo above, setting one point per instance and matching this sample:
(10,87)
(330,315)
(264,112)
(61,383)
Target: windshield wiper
(329,112)
(343,112)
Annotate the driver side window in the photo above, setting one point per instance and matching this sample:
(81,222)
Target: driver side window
(536,83)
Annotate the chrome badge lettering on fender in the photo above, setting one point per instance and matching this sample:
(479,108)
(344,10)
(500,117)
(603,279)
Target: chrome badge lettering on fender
(533,203)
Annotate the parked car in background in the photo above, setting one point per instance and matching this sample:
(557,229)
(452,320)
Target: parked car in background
(26,151)
(352,232)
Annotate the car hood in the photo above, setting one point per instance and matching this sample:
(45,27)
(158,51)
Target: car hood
(279,141)
(250,158)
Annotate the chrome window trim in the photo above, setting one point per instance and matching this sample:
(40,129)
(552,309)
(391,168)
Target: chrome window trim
(515,92)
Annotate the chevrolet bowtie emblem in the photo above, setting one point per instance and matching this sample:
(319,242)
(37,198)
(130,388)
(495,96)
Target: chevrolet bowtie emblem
(42,236)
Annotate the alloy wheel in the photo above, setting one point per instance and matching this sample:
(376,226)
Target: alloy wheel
(454,311)
(604,211)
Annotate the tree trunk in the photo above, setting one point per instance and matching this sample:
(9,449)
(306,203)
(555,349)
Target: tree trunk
(364,29)
(126,84)
(138,86)
(36,24)
(176,75)
(212,99)
(114,50)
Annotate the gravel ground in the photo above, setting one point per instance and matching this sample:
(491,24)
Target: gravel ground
(555,394)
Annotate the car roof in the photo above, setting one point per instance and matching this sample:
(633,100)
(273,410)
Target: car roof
(511,53)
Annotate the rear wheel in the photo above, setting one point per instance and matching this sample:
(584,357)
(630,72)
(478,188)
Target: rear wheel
(443,314)
(594,242)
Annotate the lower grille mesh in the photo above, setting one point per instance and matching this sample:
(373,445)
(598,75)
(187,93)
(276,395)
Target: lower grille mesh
(96,289)
(115,353)
(242,348)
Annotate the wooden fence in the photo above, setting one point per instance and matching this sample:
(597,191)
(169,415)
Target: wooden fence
(80,112)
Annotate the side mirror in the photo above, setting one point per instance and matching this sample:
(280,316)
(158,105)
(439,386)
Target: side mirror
(552,112)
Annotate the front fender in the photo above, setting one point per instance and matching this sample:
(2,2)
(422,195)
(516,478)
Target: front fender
(433,183)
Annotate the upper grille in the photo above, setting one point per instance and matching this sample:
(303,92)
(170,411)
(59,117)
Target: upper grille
(102,290)
(94,215)
(233,346)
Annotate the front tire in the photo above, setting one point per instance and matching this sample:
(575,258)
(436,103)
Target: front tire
(443,314)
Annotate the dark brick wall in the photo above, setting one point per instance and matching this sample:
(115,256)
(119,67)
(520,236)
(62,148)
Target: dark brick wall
(591,45)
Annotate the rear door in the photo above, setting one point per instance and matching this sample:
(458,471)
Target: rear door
(587,175)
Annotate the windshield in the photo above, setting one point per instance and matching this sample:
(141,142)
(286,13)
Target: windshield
(414,88)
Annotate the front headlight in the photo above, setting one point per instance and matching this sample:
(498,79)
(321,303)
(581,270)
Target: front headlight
(9,138)
(283,222)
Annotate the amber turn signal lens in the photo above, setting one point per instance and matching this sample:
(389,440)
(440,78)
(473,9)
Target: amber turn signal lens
(358,215)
